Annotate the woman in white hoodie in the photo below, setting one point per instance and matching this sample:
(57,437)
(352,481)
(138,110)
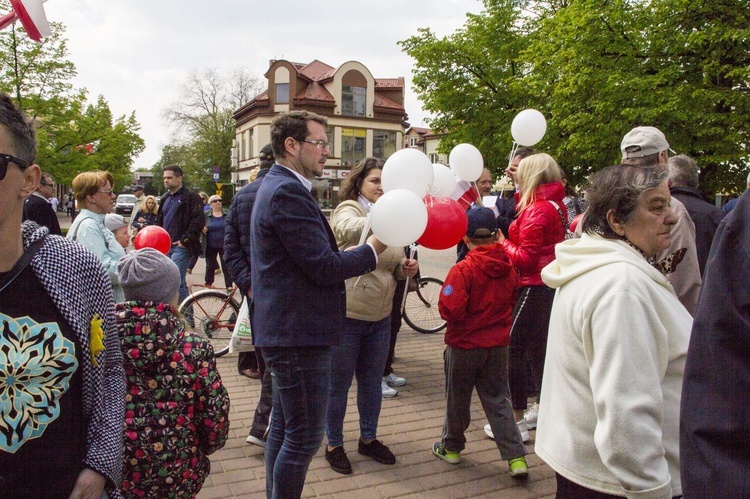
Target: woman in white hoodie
(617,343)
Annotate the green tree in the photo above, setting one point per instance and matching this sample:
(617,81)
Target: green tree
(73,135)
(203,124)
(596,68)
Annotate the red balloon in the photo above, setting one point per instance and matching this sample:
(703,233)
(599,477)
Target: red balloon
(446,223)
(153,236)
(574,223)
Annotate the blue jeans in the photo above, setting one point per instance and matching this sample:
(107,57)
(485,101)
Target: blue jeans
(300,377)
(181,258)
(363,351)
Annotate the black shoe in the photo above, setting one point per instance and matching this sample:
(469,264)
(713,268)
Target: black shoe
(338,460)
(377,451)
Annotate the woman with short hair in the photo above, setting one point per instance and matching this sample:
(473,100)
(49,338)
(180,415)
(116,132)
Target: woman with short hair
(618,338)
(94,192)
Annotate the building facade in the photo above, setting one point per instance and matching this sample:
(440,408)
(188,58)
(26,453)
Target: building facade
(366,117)
(427,141)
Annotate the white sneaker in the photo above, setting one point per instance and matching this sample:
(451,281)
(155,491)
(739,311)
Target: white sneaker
(393,380)
(253,440)
(531,415)
(522,427)
(388,392)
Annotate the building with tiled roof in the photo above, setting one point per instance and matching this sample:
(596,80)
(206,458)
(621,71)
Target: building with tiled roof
(366,116)
(427,141)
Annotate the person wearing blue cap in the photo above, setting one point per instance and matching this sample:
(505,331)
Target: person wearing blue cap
(477,303)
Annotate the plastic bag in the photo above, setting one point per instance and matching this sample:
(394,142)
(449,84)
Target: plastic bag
(242,336)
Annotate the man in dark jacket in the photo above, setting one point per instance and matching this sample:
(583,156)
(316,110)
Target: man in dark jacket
(715,414)
(237,258)
(683,185)
(299,297)
(38,209)
(181,214)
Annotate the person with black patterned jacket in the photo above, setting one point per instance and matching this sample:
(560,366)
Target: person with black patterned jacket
(62,385)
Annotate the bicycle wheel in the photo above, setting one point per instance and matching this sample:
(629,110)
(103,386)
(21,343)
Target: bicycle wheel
(421,309)
(213,316)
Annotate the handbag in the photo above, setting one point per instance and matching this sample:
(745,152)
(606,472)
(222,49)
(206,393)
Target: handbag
(242,335)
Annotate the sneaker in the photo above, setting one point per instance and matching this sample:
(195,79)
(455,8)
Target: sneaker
(518,468)
(523,429)
(393,380)
(388,392)
(338,460)
(448,456)
(377,451)
(253,440)
(531,415)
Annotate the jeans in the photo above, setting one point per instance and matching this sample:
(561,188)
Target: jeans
(181,258)
(363,351)
(300,377)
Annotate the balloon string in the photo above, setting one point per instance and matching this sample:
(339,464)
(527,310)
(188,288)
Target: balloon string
(513,150)
(362,238)
(412,250)
(479,195)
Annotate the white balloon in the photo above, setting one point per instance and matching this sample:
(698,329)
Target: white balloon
(528,127)
(444,182)
(407,169)
(466,162)
(398,217)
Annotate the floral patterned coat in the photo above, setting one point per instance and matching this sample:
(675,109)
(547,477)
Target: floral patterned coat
(176,407)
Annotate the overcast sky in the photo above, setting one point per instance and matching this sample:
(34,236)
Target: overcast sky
(136,53)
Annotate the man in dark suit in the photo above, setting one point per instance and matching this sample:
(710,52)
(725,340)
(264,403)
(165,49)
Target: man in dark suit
(37,207)
(298,288)
(683,185)
(714,413)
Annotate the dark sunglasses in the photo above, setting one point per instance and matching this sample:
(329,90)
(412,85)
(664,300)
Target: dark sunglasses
(7,158)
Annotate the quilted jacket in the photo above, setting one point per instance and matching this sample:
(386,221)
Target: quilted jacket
(176,407)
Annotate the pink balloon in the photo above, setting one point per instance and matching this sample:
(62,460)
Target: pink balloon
(154,237)
(446,223)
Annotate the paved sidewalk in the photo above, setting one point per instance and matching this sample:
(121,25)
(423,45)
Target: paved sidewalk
(409,424)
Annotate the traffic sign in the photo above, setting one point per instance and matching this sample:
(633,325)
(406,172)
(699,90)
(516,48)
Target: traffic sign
(217,176)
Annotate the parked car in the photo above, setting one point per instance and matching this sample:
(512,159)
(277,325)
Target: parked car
(125,204)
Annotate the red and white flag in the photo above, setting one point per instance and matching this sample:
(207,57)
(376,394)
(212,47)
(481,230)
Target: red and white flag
(32,17)
(465,194)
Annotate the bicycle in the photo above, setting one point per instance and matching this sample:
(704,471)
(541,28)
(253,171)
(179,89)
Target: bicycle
(421,306)
(212,313)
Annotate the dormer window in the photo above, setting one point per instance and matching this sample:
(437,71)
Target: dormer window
(353,100)
(413,141)
(282,93)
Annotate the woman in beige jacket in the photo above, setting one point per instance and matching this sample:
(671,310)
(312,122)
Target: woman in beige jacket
(364,348)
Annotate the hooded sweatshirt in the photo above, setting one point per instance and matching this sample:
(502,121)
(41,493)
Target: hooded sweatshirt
(477,299)
(176,408)
(616,354)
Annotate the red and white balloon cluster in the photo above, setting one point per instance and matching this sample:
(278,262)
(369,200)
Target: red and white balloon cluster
(416,204)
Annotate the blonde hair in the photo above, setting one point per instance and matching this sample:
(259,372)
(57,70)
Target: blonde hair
(144,205)
(534,171)
(88,183)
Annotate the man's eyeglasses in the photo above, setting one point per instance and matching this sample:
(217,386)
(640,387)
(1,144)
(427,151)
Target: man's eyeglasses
(321,144)
(7,158)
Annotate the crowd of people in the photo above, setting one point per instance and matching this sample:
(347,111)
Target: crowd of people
(596,328)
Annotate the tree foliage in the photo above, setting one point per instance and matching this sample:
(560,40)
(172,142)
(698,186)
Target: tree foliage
(203,124)
(596,69)
(73,135)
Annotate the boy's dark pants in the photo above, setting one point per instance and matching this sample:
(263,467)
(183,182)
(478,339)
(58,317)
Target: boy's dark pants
(487,370)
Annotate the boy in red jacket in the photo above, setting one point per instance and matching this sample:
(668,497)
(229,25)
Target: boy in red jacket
(477,302)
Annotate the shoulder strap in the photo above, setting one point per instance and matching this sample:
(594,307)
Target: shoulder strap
(22,262)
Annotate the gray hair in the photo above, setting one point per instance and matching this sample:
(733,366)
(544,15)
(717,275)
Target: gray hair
(683,170)
(619,188)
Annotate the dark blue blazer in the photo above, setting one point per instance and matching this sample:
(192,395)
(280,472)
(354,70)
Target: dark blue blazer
(298,273)
(715,407)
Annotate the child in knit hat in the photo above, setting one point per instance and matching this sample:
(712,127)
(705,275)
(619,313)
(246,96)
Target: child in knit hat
(176,408)
(118,225)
